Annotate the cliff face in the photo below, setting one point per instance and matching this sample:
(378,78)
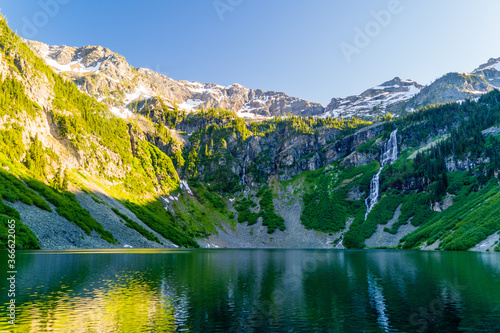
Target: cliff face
(293,155)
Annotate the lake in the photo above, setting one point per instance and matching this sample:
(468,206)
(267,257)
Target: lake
(255,291)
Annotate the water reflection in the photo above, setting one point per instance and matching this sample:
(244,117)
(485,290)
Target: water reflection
(256,291)
(378,301)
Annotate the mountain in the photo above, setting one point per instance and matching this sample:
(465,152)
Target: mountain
(401,96)
(108,77)
(452,87)
(457,87)
(490,71)
(391,96)
(99,149)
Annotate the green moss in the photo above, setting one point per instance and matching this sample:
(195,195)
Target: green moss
(209,198)
(13,99)
(243,207)
(362,229)
(11,142)
(267,211)
(158,166)
(368,147)
(89,116)
(473,217)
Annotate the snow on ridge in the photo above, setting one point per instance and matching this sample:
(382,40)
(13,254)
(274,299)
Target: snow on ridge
(206,88)
(191,105)
(366,104)
(385,87)
(247,114)
(247,111)
(122,113)
(140,91)
(74,66)
(197,87)
(110,78)
(495,66)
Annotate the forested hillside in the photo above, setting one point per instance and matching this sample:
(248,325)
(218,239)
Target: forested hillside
(74,175)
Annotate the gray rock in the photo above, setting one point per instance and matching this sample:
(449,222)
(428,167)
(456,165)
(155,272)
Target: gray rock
(384,239)
(117,84)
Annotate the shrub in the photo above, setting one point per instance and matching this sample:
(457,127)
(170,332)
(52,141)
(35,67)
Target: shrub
(69,208)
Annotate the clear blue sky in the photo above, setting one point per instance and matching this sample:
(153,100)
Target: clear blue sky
(292,46)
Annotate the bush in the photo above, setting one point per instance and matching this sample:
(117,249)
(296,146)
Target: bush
(24,237)
(160,220)
(136,226)
(69,208)
(269,217)
(12,189)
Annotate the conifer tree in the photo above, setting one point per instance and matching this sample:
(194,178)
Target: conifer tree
(65,180)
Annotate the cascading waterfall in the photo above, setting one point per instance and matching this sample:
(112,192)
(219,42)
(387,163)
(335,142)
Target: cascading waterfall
(389,155)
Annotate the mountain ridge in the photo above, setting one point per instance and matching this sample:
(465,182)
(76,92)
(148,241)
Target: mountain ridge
(104,71)
(100,73)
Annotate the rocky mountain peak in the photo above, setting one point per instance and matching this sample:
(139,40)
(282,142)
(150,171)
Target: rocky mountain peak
(490,71)
(390,96)
(109,78)
(492,64)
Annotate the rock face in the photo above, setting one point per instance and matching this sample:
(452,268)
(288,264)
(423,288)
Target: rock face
(390,96)
(283,156)
(452,87)
(110,79)
(490,71)
(412,184)
(398,96)
(466,164)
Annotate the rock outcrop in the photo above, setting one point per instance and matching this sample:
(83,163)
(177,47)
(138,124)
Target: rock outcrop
(109,78)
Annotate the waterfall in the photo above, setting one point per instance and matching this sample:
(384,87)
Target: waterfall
(389,155)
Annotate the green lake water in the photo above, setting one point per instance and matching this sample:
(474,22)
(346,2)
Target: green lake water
(254,291)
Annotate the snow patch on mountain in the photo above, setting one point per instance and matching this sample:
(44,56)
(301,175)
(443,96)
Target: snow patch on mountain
(191,105)
(108,77)
(121,112)
(375,101)
(74,66)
